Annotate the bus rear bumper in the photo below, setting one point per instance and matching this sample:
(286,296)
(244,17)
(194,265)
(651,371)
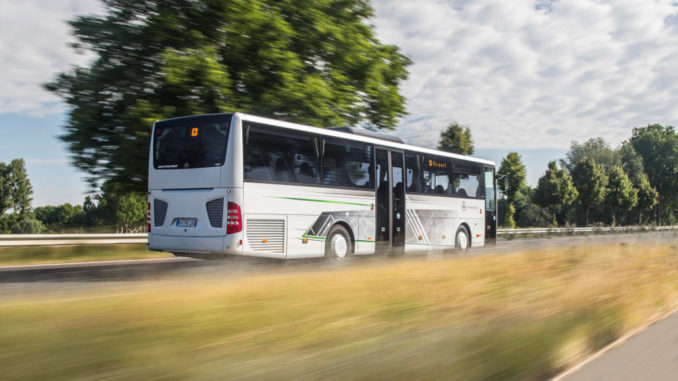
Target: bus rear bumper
(189,244)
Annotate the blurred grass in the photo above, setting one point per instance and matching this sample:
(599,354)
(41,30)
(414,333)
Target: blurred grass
(526,315)
(26,255)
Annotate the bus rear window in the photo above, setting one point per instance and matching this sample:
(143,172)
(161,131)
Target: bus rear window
(193,142)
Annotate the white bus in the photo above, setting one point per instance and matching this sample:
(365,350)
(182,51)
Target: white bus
(239,184)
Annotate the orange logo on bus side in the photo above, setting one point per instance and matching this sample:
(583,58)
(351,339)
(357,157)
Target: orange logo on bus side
(194,131)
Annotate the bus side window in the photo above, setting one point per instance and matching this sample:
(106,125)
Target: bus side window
(273,154)
(415,175)
(436,175)
(466,179)
(347,164)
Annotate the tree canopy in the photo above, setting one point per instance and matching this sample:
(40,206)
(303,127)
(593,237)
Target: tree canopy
(555,188)
(631,162)
(591,182)
(595,148)
(511,180)
(647,197)
(658,146)
(317,62)
(511,175)
(456,139)
(621,196)
(15,187)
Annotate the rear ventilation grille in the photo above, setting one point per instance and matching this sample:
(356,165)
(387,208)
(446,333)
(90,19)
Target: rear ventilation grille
(215,212)
(160,208)
(266,235)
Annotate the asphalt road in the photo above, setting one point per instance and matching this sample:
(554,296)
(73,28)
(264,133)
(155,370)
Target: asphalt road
(650,355)
(154,268)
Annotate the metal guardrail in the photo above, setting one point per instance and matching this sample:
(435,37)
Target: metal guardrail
(70,239)
(110,239)
(603,229)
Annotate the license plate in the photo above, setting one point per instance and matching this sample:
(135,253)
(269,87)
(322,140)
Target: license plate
(187,222)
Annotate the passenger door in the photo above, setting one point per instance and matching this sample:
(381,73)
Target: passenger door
(490,207)
(390,201)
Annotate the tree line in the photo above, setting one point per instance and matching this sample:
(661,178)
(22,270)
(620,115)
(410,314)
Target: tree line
(634,184)
(108,210)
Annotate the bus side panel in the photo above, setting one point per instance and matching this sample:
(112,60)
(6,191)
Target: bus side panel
(432,221)
(305,214)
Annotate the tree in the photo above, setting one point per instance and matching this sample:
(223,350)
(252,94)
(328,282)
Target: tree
(317,62)
(511,179)
(125,210)
(621,196)
(595,148)
(554,188)
(631,162)
(456,139)
(15,188)
(590,180)
(61,215)
(647,197)
(531,215)
(27,226)
(658,146)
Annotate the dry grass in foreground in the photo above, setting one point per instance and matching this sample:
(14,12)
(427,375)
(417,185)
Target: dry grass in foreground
(26,255)
(518,316)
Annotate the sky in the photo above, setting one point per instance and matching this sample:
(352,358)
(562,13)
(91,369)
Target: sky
(524,75)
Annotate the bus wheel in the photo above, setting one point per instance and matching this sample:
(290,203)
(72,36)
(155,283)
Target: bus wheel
(461,240)
(338,245)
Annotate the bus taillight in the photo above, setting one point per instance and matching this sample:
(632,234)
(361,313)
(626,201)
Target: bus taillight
(149,217)
(233,218)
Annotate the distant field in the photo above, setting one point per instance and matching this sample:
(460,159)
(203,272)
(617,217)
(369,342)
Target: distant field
(25,255)
(524,315)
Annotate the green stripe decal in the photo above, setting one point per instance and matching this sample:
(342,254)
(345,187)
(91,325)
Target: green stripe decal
(313,200)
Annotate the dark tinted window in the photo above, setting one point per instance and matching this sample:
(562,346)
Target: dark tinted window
(490,201)
(436,171)
(443,176)
(414,173)
(347,164)
(274,154)
(193,142)
(467,180)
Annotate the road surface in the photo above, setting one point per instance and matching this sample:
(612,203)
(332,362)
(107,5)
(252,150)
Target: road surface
(650,355)
(141,269)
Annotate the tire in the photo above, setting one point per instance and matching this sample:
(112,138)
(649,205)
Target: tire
(462,239)
(338,245)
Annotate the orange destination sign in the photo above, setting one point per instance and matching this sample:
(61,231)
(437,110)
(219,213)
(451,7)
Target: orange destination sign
(437,164)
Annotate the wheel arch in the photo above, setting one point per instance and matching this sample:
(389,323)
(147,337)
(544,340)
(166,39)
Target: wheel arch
(468,230)
(346,226)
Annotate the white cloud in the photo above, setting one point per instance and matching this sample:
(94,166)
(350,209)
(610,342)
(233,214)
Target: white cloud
(529,74)
(520,73)
(34,40)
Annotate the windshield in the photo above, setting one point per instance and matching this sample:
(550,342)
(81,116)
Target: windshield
(191,142)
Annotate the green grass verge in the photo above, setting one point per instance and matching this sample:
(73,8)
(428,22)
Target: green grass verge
(26,255)
(520,316)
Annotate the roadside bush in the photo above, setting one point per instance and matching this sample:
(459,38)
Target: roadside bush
(532,215)
(27,226)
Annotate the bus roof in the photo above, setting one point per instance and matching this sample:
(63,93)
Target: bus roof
(379,139)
